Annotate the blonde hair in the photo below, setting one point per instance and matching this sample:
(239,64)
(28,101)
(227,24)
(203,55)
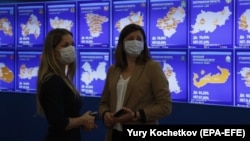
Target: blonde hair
(49,65)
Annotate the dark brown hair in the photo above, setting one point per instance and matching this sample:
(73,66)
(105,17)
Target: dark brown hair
(120,55)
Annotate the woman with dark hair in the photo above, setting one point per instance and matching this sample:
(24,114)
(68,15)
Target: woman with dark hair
(135,83)
(57,98)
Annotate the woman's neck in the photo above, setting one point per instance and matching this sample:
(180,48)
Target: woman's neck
(131,60)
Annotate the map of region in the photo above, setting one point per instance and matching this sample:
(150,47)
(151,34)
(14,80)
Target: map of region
(245,73)
(171,76)
(32,26)
(89,75)
(169,23)
(134,17)
(94,22)
(27,73)
(5,26)
(61,23)
(244,21)
(209,21)
(209,78)
(5,73)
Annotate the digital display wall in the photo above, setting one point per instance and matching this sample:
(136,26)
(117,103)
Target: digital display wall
(242,75)
(211,23)
(93,66)
(30,25)
(27,68)
(94,19)
(174,65)
(211,77)
(7,70)
(127,12)
(202,45)
(242,23)
(7,26)
(168,24)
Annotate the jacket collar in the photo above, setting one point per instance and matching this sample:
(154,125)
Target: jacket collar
(131,84)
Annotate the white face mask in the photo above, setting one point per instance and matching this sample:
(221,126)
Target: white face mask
(67,54)
(133,47)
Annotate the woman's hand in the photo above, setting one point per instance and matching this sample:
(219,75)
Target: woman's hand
(108,119)
(129,114)
(88,121)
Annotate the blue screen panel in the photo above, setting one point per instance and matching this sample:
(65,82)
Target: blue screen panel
(242,22)
(7,71)
(242,75)
(61,15)
(174,65)
(211,77)
(7,26)
(30,25)
(168,23)
(93,66)
(211,24)
(27,69)
(94,20)
(127,12)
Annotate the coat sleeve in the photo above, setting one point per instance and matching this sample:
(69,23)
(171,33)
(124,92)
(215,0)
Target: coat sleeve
(160,89)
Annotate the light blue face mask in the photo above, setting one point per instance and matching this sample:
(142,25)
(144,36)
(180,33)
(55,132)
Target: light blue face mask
(68,55)
(133,47)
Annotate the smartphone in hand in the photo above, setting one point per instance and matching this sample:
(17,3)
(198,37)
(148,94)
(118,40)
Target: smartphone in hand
(119,113)
(96,115)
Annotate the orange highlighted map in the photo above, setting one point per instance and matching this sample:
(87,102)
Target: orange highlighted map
(218,78)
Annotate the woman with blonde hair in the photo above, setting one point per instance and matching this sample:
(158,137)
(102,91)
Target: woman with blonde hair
(57,98)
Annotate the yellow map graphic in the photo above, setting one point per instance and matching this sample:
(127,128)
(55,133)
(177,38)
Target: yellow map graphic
(244,21)
(218,78)
(169,23)
(5,73)
(5,26)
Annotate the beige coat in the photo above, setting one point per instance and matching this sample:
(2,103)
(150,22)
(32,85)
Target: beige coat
(147,89)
